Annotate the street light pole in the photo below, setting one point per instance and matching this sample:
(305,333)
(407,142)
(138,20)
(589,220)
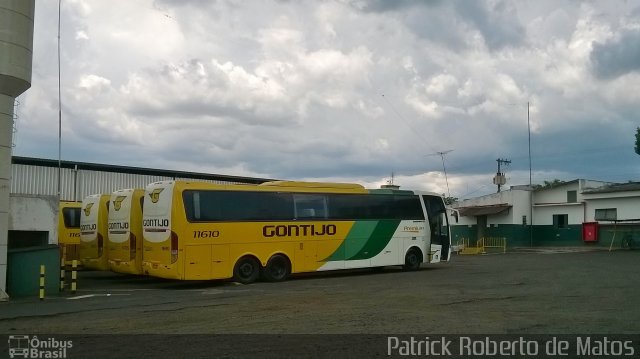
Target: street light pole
(59,112)
(529,131)
(530,183)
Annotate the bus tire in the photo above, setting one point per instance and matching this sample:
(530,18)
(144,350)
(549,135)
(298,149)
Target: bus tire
(412,260)
(246,270)
(277,269)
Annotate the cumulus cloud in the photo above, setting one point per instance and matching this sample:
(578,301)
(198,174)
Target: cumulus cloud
(340,90)
(618,56)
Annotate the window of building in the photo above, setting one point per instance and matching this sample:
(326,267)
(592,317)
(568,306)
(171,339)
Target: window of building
(572,196)
(560,220)
(606,214)
(24,239)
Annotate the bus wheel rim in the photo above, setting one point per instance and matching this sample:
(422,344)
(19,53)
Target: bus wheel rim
(246,270)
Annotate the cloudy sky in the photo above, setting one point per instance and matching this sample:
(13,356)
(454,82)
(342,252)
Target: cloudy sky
(343,90)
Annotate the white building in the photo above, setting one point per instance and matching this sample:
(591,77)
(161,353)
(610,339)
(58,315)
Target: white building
(557,213)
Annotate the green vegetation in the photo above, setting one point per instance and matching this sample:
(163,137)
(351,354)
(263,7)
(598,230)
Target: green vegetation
(549,184)
(449,200)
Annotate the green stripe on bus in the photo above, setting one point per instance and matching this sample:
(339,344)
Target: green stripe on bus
(365,240)
(379,239)
(356,239)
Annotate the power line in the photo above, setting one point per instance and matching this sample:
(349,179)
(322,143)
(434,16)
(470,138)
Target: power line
(413,130)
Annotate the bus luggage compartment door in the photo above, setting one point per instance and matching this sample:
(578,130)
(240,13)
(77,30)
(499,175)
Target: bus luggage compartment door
(197,262)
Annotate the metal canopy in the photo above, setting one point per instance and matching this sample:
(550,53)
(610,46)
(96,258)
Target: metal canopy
(483,210)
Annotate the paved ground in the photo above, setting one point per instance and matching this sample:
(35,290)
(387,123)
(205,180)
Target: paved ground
(539,292)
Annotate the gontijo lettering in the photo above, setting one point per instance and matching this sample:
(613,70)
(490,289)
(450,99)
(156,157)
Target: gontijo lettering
(88,227)
(155,222)
(119,225)
(297,230)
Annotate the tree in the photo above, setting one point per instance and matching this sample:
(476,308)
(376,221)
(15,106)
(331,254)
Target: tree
(449,200)
(638,141)
(549,184)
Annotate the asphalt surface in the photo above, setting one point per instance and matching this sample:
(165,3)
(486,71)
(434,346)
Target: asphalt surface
(556,291)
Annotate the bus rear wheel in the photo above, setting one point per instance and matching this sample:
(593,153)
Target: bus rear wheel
(277,269)
(412,260)
(246,271)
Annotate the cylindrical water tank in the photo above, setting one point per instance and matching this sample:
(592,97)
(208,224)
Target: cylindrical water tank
(16,45)
(16,49)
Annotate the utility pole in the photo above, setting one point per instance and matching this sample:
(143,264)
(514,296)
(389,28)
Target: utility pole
(500,179)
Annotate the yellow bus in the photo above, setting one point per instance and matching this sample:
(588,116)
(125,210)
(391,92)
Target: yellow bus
(124,243)
(69,230)
(196,231)
(93,231)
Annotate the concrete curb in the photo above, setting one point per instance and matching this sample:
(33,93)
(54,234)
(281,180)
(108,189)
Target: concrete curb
(556,249)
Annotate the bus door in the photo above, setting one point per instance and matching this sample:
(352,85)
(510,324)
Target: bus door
(439,226)
(308,208)
(305,254)
(316,245)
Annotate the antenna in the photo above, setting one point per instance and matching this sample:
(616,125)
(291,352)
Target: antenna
(390,184)
(444,169)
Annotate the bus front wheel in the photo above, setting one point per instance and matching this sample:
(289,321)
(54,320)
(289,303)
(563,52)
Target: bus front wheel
(277,269)
(246,271)
(412,260)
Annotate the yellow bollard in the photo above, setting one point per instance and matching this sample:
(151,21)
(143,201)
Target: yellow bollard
(41,282)
(62,274)
(74,276)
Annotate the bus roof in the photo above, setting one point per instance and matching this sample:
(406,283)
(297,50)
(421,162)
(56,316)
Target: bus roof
(274,186)
(317,185)
(294,186)
(392,191)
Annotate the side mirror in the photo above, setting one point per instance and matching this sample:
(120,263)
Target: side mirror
(454,214)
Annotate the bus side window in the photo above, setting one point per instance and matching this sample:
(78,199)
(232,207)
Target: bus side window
(310,206)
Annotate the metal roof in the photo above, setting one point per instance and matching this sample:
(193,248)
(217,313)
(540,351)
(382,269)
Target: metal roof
(483,210)
(618,187)
(43,162)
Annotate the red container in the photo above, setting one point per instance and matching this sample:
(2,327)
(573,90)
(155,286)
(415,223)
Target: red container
(590,231)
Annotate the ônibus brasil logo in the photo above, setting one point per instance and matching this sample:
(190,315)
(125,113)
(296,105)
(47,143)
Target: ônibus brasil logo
(32,347)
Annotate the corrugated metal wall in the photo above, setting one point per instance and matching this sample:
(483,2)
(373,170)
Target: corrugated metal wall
(36,180)
(77,184)
(92,182)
